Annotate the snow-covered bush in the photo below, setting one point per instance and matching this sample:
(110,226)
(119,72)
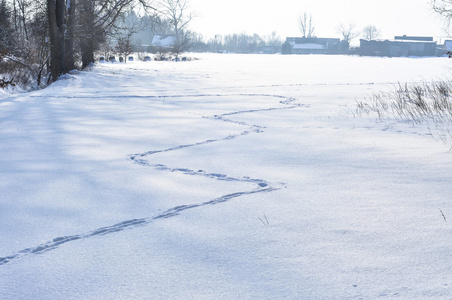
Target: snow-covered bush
(22,75)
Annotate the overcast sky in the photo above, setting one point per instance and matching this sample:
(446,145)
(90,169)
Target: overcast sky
(392,17)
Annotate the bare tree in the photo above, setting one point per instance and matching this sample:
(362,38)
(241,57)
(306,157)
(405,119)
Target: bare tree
(124,46)
(348,32)
(371,32)
(38,45)
(24,40)
(179,16)
(6,38)
(181,44)
(176,11)
(444,8)
(95,17)
(217,43)
(22,9)
(197,42)
(128,30)
(306,26)
(273,39)
(89,21)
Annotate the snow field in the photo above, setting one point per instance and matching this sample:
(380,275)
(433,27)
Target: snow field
(231,177)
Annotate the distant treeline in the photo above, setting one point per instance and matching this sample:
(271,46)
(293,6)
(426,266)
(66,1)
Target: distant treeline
(238,43)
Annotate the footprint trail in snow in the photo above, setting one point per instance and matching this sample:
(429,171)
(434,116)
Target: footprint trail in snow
(144,159)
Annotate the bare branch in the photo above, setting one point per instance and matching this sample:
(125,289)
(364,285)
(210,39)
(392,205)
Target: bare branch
(306,26)
(443,8)
(371,32)
(348,32)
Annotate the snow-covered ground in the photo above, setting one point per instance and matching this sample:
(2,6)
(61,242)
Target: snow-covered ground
(229,177)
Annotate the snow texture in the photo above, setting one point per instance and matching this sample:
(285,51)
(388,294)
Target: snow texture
(228,177)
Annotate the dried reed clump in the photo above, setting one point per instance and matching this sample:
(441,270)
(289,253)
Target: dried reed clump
(420,103)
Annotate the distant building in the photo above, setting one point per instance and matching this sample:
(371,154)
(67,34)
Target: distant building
(448,45)
(314,45)
(445,49)
(414,38)
(400,46)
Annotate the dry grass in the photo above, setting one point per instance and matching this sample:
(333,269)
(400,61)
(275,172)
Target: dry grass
(420,103)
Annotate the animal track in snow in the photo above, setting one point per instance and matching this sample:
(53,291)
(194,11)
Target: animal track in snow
(261,185)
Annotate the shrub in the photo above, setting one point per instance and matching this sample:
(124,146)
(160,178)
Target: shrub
(16,75)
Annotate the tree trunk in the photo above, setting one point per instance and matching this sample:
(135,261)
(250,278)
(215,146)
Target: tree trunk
(87,48)
(55,43)
(87,43)
(61,30)
(69,38)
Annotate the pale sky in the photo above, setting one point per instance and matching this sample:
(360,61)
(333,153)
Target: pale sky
(392,17)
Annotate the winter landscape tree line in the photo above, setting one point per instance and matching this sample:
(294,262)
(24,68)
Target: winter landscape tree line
(53,37)
(43,39)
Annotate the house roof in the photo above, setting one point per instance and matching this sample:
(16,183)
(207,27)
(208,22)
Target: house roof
(163,40)
(414,38)
(315,40)
(399,41)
